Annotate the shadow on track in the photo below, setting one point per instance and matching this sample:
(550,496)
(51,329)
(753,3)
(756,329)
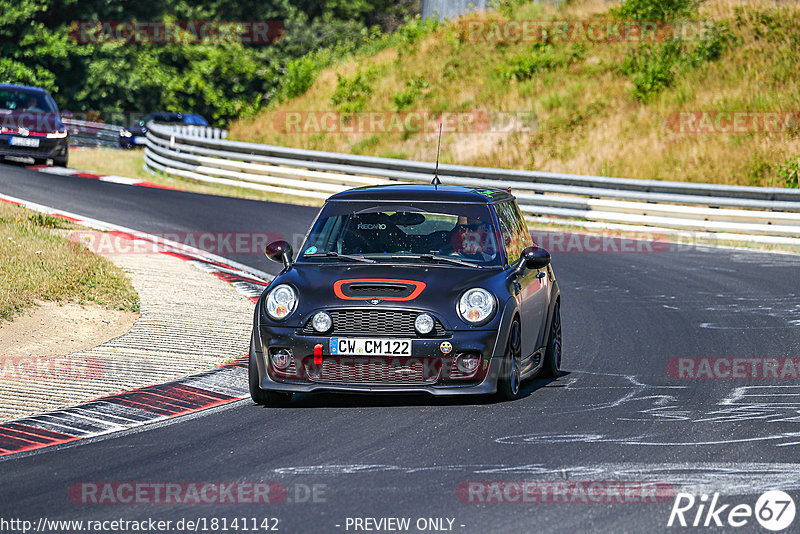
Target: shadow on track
(386,400)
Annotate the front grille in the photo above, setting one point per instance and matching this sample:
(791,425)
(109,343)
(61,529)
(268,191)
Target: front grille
(374,322)
(377,290)
(375,370)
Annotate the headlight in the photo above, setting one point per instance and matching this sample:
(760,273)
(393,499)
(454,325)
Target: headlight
(58,135)
(322,322)
(281,301)
(476,305)
(423,323)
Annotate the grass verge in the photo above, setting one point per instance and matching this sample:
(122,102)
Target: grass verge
(37,263)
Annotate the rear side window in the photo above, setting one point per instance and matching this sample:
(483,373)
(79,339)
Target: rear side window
(516,236)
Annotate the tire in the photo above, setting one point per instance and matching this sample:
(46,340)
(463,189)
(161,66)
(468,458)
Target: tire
(260,396)
(552,355)
(508,383)
(61,162)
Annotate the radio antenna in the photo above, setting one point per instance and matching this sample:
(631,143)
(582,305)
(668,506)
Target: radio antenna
(436,182)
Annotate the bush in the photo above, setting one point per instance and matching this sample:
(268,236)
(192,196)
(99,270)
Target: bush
(712,43)
(299,77)
(410,94)
(414,29)
(542,56)
(351,94)
(788,172)
(652,67)
(655,10)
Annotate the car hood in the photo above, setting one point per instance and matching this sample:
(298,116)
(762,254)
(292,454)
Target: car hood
(443,284)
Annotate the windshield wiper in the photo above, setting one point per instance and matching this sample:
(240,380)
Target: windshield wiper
(434,257)
(336,255)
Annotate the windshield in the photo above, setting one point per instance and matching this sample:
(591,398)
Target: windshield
(22,100)
(417,231)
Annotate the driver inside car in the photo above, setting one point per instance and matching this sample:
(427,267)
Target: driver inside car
(469,238)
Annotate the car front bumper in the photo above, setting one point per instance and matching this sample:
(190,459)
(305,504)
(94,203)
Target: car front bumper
(434,372)
(48,148)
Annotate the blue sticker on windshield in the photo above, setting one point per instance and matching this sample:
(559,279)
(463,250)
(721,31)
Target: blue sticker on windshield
(311,250)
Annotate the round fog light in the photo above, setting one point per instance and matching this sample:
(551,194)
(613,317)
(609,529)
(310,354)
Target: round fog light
(322,322)
(468,365)
(281,359)
(424,323)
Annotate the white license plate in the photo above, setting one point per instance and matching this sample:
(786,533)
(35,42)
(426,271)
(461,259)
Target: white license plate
(24,141)
(137,140)
(342,346)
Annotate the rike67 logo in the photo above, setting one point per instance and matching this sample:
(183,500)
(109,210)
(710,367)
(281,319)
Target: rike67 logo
(774,510)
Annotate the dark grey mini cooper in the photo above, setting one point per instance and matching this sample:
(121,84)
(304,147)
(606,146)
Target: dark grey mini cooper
(408,288)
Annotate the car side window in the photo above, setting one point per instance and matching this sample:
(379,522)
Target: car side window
(513,228)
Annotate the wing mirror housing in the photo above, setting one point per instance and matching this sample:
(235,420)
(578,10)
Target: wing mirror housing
(280,252)
(534,258)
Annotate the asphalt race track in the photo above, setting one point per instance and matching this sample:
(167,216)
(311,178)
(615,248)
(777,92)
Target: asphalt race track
(615,414)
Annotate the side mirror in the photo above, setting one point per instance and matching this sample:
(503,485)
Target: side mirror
(279,252)
(535,258)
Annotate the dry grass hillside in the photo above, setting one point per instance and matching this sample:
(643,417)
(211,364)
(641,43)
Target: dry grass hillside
(572,104)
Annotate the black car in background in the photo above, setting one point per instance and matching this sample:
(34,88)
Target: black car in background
(134,136)
(404,289)
(31,126)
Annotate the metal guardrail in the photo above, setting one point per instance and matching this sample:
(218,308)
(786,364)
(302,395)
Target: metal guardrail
(736,213)
(193,130)
(92,134)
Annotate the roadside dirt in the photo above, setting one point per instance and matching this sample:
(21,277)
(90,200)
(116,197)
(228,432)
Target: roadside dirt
(52,329)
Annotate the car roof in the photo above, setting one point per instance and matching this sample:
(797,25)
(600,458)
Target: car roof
(25,87)
(164,115)
(423,192)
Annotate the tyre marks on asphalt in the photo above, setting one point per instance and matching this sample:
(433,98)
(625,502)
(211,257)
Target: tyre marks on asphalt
(106,415)
(670,415)
(732,478)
